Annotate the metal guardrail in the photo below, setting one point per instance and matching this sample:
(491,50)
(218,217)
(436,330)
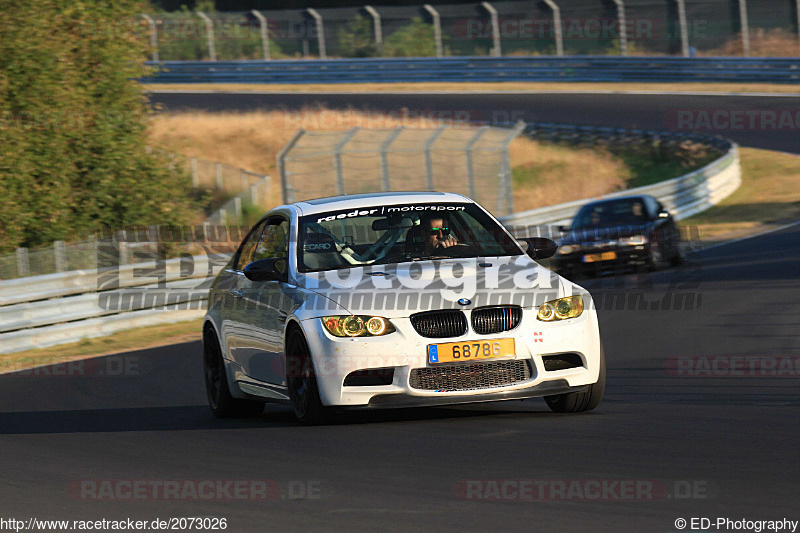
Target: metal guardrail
(65,307)
(483,69)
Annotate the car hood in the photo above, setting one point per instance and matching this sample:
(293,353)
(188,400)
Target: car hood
(399,290)
(605,233)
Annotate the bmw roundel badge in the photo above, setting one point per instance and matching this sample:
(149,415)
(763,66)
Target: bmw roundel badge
(464,301)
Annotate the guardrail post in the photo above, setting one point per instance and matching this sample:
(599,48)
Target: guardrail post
(195,177)
(623,30)
(153,35)
(495,29)
(320,32)
(212,49)
(557,26)
(337,154)
(684,27)
(220,182)
(385,159)
(23,263)
(60,255)
(428,161)
(287,193)
(378,30)
(468,153)
(262,21)
(437,28)
(745,27)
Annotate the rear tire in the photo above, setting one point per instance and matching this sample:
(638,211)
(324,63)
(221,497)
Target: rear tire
(577,402)
(222,404)
(302,382)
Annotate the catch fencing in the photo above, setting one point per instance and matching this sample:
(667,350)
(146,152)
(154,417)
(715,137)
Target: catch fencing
(470,160)
(549,27)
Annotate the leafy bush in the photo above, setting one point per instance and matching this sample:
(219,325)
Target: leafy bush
(356,39)
(413,40)
(72,124)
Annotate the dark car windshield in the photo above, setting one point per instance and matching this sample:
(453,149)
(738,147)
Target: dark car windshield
(385,234)
(611,213)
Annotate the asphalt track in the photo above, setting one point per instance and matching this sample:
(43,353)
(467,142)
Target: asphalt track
(759,121)
(699,445)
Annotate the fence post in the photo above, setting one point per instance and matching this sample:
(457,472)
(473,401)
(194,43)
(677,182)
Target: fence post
(262,21)
(428,162)
(287,193)
(60,255)
(470,170)
(684,27)
(245,181)
(153,35)
(495,29)
(337,154)
(124,252)
(557,26)
(212,49)
(385,159)
(505,171)
(745,27)
(320,32)
(237,208)
(623,30)
(23,263)
(437,28)
(376,25)
(220,182)
(195,177)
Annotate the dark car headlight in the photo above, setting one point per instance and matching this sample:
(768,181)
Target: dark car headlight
(561,309)
(634,240)
(568,249)
(357,326)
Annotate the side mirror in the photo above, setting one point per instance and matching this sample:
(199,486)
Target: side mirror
(271,269)
(540,247)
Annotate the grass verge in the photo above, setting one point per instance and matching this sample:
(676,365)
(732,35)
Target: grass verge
(769,195)
(123,341)
(556,87)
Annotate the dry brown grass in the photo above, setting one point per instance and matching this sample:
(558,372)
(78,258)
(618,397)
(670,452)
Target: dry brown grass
(252,141)
(772,43)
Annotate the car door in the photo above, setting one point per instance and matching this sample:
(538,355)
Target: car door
(259,332)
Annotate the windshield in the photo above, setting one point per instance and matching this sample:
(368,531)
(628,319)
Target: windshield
(619,212)
(376,235)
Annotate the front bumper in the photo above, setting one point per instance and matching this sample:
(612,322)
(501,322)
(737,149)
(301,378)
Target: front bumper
(625,258)
(404,351)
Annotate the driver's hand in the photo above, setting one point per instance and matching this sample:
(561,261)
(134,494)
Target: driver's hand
(448,242)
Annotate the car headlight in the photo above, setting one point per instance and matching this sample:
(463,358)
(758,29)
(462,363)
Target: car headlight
(357,326)
(636,240)
(561,309)
(568,249)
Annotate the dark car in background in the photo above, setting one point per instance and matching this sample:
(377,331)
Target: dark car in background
(621,233)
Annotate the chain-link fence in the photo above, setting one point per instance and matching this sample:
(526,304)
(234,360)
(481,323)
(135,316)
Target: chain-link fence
(470,160)
(549,27)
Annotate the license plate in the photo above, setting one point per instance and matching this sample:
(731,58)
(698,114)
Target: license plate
(456,352)
(605,256)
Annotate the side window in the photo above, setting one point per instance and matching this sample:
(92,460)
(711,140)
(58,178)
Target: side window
(274,241)
(248,247)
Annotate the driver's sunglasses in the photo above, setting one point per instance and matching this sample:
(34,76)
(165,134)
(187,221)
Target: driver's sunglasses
(445,231)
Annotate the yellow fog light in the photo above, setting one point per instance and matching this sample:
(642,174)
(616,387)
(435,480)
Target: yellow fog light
(561,309)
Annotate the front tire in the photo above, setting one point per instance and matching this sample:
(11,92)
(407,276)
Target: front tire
(577,402)
(222,404)
(302,382)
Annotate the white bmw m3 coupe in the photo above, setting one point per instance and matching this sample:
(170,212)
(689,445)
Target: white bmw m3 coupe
(395,300)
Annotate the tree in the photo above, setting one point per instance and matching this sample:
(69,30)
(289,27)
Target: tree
(73,123)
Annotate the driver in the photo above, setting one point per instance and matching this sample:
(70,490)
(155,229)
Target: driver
(437,234)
